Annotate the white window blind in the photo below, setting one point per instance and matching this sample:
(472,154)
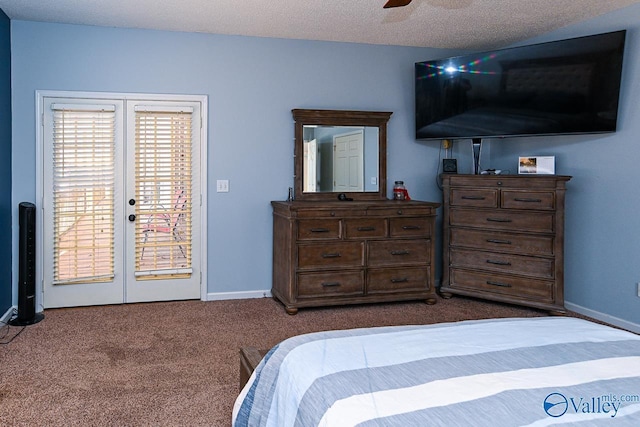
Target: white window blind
(83,193)
(163,175)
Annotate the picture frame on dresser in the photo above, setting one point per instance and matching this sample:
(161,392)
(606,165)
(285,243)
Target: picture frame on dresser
(537,165)
(503,238)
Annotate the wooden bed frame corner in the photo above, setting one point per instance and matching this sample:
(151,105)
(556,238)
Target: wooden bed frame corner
(249,359)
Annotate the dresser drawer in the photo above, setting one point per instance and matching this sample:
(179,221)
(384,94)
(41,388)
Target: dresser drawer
(385,281)
(401,210)
(481,198)
(535,200)
(399,252)
(333,283)
(497,284)
(362,228)
(516,264)
(318,229)
(331,255)
(503,242)
(410,227)
(503,220)
(318,212)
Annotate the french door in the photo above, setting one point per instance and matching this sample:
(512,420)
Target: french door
(121,199)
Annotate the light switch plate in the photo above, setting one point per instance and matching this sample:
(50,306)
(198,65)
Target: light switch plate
(222,186)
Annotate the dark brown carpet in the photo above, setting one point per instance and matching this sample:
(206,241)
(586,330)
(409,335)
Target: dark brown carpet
(171,364)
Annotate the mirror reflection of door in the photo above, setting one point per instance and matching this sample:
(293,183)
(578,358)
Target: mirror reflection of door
(348,162)
(311,158)
(360,168)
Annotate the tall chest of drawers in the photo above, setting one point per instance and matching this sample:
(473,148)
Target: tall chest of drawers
(503,238)
(334,253)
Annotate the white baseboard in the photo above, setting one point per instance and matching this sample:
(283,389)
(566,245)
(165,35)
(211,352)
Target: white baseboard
(612,320)
(218,296)
(8,315)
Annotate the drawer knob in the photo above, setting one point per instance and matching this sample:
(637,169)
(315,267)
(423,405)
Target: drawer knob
(523,200)
(319,230)
(330,284)
(499,220)
(411,227)
(473,198)
(332,255)
(499,182)
(402,252)
(491,261)
(502,285)
(332,214)
(366,229)
(400,280)
(500,242)
(399,211)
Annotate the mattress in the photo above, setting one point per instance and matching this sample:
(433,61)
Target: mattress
(498,372)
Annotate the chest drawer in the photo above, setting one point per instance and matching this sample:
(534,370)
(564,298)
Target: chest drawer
(410,227)
(516,264)
(478,198)
(503,242)
(331,255)
(398,252)
(503,220)
(362,228)
(318,229)
(311,285)
(497,284)
(538,200)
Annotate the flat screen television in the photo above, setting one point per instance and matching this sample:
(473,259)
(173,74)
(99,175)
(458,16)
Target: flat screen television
(563,87)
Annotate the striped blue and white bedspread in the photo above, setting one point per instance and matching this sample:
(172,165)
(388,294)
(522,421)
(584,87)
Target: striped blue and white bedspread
(498,372)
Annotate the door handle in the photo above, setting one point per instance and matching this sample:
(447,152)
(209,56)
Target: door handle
(132,217)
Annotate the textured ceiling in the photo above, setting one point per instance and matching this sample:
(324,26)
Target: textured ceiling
(465,24)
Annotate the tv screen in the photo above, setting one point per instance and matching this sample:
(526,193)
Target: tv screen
(563,87)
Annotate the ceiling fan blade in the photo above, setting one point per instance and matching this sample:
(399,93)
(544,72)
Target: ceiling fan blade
(396,3)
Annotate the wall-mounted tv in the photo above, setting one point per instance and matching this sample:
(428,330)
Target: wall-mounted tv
(563,87)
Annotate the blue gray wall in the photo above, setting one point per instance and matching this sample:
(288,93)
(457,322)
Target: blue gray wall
(5,164)
(252,85)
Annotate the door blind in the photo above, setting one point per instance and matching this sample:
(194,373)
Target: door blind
(83,193)
(163,175)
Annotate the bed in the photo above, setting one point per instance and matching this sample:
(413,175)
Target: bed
(526,371)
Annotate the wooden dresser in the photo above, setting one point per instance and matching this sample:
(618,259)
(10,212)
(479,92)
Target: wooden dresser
(333,253)
(503,238)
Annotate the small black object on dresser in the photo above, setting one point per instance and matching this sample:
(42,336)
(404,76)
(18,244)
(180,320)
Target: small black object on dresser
(449,166)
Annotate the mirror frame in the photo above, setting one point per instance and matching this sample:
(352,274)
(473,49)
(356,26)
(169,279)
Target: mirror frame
(377,119)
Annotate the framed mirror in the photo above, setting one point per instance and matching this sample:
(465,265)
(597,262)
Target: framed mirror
(340,152)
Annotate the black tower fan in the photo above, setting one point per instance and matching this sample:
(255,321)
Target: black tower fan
(27,267)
